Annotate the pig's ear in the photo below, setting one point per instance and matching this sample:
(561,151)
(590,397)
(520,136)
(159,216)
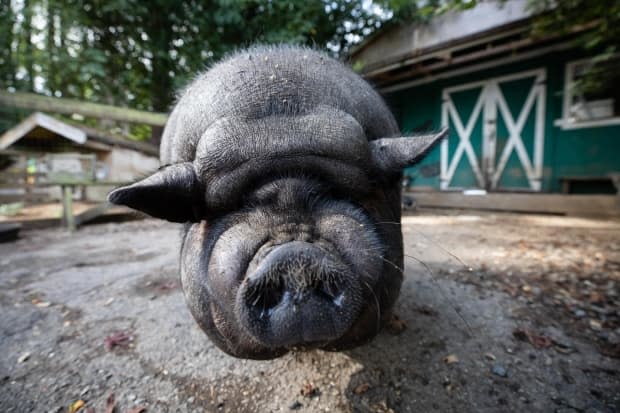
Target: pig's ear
(172,193)
(390,155)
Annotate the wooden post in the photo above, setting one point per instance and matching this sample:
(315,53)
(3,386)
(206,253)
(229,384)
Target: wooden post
(67,207)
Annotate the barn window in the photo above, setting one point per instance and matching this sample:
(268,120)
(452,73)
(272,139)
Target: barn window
(594,100)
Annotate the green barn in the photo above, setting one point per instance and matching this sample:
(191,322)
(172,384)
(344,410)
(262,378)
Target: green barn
(516,123)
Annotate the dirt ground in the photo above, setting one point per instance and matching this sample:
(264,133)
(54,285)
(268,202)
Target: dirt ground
(500,313)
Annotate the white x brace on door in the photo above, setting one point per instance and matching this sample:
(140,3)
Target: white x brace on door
(488,166)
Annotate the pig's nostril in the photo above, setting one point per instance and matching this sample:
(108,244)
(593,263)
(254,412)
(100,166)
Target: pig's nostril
(331,291)
(264,298)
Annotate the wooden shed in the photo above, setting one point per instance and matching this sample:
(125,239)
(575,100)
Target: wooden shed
(517,125)
(31,150)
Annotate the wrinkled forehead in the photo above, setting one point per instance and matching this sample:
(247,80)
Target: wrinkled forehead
(323,132)
(234,153)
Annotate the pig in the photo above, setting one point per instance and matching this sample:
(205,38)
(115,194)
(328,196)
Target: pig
(284,167)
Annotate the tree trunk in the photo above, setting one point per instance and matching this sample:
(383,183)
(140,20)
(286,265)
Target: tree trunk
(29,50)
(51,47)
(160,33)
(7,76)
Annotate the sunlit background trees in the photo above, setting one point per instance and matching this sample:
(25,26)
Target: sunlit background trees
(136,53)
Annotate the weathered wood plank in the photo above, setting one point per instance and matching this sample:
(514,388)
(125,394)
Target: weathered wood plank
(69,106)
(586,205)
(91,213)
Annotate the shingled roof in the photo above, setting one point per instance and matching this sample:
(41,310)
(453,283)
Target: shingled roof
(39,126)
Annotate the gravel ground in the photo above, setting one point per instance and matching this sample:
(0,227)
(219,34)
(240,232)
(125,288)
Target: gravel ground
(498,313)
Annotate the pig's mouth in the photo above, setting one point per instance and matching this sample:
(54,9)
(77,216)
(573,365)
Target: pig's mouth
(298,294)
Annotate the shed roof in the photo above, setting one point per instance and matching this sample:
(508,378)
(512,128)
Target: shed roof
(490,31)
(36,125)
(39,126)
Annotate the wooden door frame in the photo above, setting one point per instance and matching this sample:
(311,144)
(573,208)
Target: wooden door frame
(489,104)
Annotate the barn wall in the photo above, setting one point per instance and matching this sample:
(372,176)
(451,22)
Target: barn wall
(123,165)
(589,151)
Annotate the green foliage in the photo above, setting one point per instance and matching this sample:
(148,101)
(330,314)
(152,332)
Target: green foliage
(136,53)
(406,11)
(597,28)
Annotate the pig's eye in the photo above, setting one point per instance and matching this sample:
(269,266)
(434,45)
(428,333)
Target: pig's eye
(285,190)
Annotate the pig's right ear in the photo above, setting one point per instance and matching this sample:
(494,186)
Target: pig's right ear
(390,155)
(172,193)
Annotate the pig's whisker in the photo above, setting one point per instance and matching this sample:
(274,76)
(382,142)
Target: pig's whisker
(445,250)
(470,332)
(392,264)
(378,325)
(256,299)
(434,242)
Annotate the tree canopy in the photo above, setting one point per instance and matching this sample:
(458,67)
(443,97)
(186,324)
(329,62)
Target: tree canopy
(136,53)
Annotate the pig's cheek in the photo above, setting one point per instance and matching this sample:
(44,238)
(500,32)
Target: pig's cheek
(194,277)
(229,260)
(193,274)
(355,241)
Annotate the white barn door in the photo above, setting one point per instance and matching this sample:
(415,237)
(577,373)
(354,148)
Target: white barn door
(497,133)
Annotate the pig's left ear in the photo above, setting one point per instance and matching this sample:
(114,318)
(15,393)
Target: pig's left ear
(172,193)
(390,155)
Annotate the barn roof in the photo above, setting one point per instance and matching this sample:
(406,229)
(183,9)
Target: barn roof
(39,128)
(402,56)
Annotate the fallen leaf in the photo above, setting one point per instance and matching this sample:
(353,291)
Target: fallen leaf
(76,405)
(396,325)
(23,357)
(110,403)
(138,409)
(362,388)
(168,285)
(536,340)
(451,359)
(119,339)
(308,390)
(595,325)
(489,356)
(426,310)
(43,304)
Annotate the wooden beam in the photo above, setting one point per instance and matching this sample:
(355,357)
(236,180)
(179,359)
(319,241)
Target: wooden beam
(33,101)
(584,205)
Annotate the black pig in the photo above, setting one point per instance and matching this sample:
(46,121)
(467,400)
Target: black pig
(285,167)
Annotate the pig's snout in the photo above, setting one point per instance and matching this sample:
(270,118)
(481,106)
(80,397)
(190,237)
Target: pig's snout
(298,294)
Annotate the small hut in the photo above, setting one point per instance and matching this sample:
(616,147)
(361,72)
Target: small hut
(40,149)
